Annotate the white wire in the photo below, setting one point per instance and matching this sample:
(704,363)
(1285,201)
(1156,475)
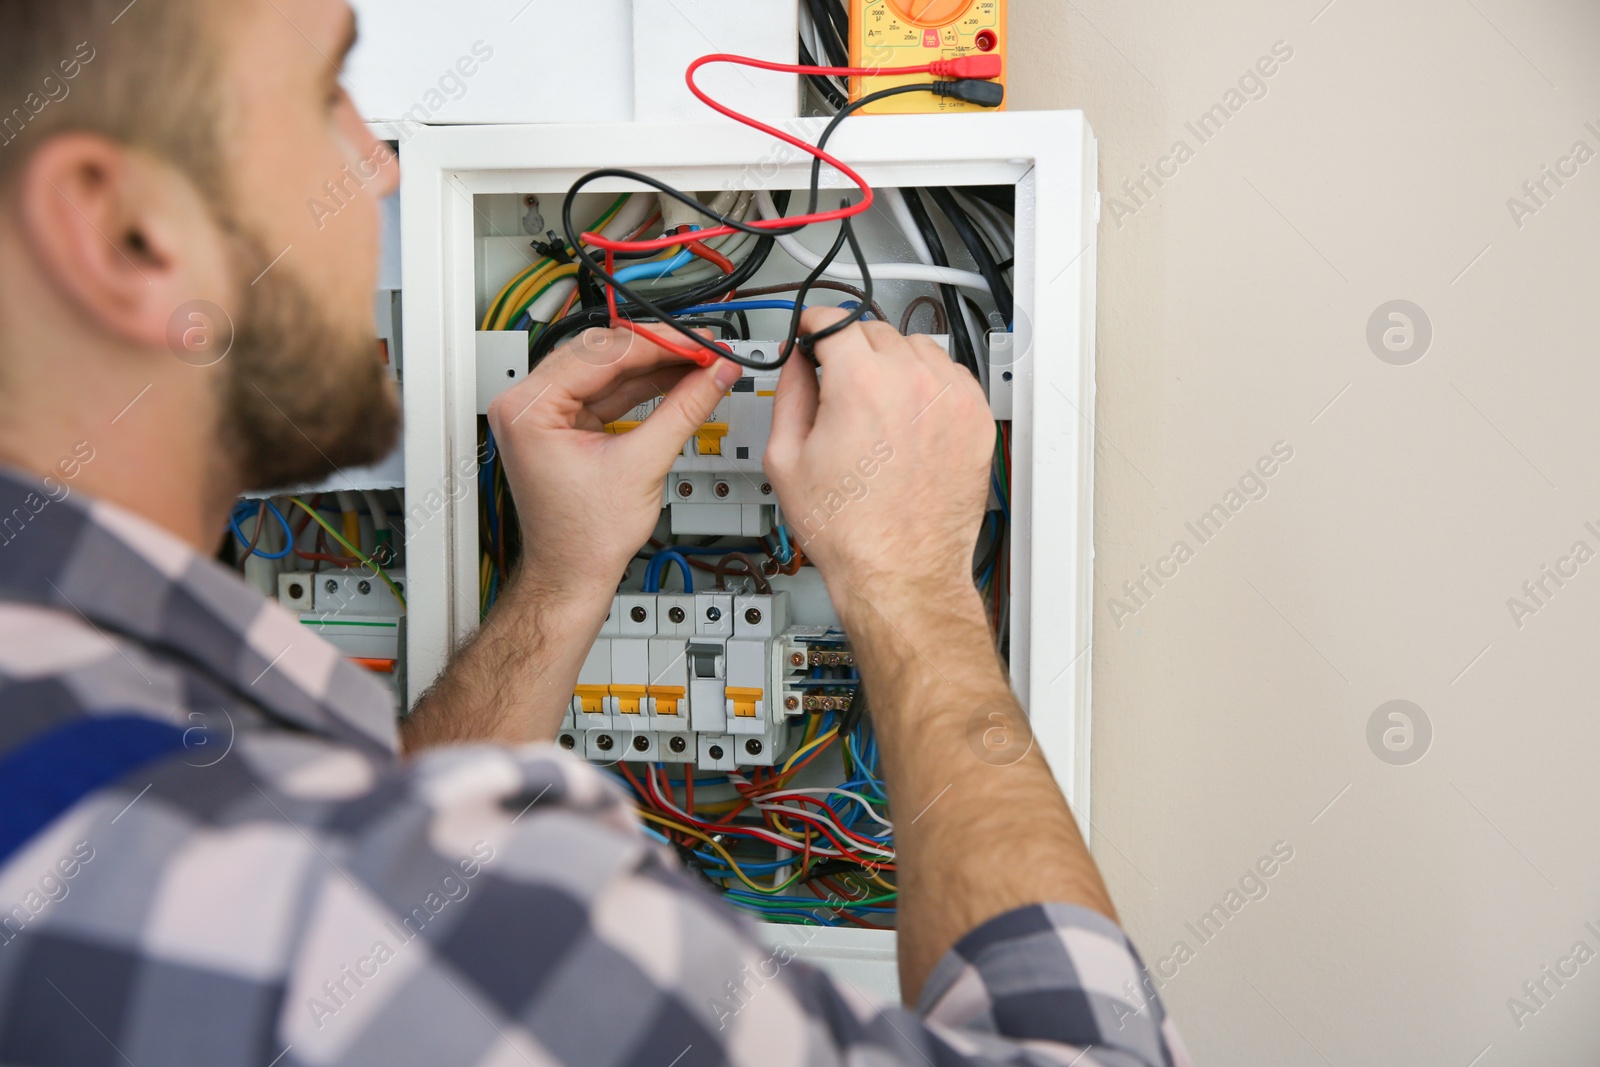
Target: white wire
(850,272)
(863,801)
(380,516)
(979,210)
(901,211)
(550,303)
(671,805)
(857,845)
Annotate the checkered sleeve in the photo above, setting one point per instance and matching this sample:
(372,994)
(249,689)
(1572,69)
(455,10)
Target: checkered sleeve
(575,939)
(298,902)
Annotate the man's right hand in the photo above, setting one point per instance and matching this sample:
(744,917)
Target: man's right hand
(883,470)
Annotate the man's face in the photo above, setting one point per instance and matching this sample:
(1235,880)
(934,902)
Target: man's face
(306,391)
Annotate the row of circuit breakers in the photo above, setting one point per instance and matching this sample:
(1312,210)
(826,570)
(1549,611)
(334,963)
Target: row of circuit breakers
(711,679)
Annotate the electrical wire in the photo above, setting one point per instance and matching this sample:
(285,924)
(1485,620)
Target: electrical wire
(939,323)
(262,509)
(980,251)
(352,549)
(700,349)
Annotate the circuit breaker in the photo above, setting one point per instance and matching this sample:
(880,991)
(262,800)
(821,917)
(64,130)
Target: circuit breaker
(710,679)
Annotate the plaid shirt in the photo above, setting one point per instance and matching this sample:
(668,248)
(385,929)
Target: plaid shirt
(285,891)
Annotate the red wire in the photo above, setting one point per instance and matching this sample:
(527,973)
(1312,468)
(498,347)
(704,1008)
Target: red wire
(957,68)
(655,244)
(711,255)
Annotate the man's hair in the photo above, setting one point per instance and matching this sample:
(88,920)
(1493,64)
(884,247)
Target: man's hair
(146,74)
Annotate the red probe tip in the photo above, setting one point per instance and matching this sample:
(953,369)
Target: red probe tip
(978,66)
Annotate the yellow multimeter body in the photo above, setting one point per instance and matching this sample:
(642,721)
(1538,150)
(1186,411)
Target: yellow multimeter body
(907,33)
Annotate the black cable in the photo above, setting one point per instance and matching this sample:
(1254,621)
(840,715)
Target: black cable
(960,339)
(696,322)
(706,293)
(822,84)
(832,35)
(1003,197)
(592,266)
(808,343)
(841,21)
(980,252)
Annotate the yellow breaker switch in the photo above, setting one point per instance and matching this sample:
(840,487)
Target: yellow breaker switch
(744,701)
(711,435)
(592,698)
(629,697)
(667,698)
(909,33)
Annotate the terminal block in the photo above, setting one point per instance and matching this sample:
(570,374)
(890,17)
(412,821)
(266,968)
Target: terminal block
(819,671)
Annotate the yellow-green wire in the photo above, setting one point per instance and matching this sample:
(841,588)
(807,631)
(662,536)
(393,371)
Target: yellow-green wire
(352,549)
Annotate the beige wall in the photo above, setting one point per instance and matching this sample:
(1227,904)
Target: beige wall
(1232,708)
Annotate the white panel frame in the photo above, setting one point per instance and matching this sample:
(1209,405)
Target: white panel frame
(1051,157)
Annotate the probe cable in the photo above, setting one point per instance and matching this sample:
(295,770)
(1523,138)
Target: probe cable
(970,84)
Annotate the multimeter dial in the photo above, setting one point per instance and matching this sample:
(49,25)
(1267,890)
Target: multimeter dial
(934,13)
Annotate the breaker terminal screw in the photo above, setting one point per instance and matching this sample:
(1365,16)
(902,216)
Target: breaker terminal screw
(715,752)
(753,747)
(766,488)
(791,703)
(676,615)
(713,614)
(296,591)
(604,742)
(752,616)
(722,489)
(363,587)
(568,741)
(677,744)
(797,659)
(686,489)
(641,744)
(331,586)
(639,614)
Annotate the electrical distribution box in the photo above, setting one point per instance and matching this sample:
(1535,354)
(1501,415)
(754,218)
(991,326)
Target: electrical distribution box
(907,33)
(717,679)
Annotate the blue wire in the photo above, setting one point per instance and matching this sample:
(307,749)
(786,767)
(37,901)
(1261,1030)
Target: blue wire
(783,541)
(265,506)
(738,305)
(1005,506)
(687,550)
(658,563)
(655,268)
(851,305)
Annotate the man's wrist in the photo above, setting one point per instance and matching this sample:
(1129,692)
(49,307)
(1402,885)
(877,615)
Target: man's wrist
(559,596)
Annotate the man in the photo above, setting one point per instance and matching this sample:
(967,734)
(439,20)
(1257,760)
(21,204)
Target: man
(212,852)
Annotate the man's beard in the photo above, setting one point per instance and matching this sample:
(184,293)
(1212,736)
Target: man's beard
(304,395)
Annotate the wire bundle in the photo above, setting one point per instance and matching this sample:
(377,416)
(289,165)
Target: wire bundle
(766,841)
(968,72)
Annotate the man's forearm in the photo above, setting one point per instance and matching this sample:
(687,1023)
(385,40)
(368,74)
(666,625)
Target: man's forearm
(512,681)
(968,803)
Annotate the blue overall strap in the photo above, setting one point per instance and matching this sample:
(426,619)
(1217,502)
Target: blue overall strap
(50,773)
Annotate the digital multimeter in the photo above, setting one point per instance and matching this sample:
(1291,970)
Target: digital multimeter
(905,33)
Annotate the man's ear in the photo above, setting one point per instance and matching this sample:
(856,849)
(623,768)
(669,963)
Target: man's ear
(124,237)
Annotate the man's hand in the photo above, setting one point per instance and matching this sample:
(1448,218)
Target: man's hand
(883,471)
(586,500)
